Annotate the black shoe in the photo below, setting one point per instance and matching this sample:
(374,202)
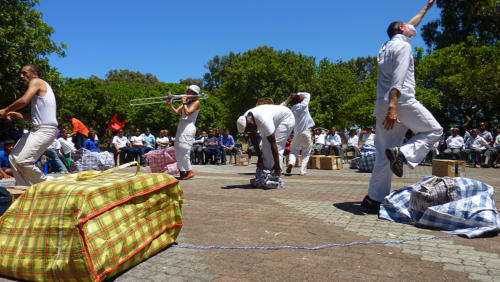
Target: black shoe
(485,165)
(396,159)
(289,168)
(370,204)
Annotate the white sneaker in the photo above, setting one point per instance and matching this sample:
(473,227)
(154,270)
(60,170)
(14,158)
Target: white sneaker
(49,178)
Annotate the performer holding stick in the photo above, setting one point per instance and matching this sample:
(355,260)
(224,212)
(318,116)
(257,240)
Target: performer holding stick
(186,130)
(43,115)
(397,110)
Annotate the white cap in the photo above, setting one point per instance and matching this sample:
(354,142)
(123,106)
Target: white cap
(194,88)
(241,123)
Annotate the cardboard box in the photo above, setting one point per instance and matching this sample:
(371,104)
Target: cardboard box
(242,160)
(331,162)
(315,162)
(451,168)
(298,161)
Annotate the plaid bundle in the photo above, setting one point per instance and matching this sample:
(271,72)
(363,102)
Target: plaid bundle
(472,214)
(83,160)
(74,229)
(367,160)
(434,191)
(163,160)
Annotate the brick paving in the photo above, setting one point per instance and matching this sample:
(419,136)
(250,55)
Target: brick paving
(323,207)
(220,208)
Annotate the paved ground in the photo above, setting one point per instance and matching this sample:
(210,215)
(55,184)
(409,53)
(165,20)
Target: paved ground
(323,207)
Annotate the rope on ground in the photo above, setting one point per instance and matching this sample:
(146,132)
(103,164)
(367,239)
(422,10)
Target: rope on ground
(314,248)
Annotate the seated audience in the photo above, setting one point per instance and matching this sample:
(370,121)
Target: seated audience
(334,143)
(454,145)
(163,141)
(197,149)
(150,139)
(485,133)
(352,141)
(477,146)
(122,147)
(497,150)
(53,152)
(139,145)
(319,147)
(91,143)
(66,142)
(212,148)
(5,170)
(227,145)
(369,137)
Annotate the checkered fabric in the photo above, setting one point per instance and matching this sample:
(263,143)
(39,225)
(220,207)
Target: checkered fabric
(163,160)
(89,226)
(367,160)
(473,213)
(83,160)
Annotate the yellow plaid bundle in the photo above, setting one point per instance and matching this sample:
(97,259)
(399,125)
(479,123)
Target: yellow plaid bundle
(89,228)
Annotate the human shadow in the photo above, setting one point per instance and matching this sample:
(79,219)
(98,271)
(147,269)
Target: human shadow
(241,186)
(246,173)
(354,208)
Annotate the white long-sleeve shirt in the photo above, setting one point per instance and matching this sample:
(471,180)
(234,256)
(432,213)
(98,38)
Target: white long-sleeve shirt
(303,119)
(395,70)
(353,140)
(477,143)
(333,140)
(456,142)
(369,139)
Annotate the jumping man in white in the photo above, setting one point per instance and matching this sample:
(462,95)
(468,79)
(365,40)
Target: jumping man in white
(276,123)
(397,110)
(186,130)
(43,115)
(302,129)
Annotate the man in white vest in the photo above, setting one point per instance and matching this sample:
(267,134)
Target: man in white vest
(43,116)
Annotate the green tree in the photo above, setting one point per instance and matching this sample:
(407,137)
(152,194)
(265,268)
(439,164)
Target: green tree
(24,39)
(463,18)
(130,76)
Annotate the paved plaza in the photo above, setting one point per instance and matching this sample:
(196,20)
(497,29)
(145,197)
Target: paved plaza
(221,209)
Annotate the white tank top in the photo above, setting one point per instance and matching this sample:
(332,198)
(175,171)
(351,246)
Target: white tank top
(191,118)
(43,109)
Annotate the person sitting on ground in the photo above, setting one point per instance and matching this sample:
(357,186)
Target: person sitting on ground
(91,129)
(319,141)
(5,170)
(334,143)
(80,131)
(212,148)
(227,144)
(197,149)
(454,145)
(91,143)
(122,147)
(369,137)
(477,146)
(53,152)
(139,145)
(485,133)
(352,141)
(150,139)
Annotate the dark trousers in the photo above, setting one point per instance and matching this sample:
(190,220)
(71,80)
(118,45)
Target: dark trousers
(455,154)
(78,139)
(127,154)
(226,152)
(212,151)
(197,154)
(337,150)
(352,149)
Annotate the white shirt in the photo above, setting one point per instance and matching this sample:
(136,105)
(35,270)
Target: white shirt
(456,142)
(477,143)
(333,140)
(353,140)
(497,141)
(66,145)
(320,138)
(120,142)
(137,140)
(486,135)
(395,70)
(369,139)
(303,119)
(163,140)
(268,117)
(43,109)
(56,145)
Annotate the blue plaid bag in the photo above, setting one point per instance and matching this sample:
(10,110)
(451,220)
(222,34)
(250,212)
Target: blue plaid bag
(367,160)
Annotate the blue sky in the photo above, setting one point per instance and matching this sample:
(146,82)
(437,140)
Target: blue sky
(175,39)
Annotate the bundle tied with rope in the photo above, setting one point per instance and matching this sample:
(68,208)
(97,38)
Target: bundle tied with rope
(89,226)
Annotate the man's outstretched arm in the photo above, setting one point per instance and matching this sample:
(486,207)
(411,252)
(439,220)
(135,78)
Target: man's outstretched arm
(415,21)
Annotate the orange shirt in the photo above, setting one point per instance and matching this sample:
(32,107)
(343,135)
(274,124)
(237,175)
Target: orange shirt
(78,126)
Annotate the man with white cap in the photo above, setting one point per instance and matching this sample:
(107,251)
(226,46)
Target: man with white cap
(397,110)
(186,130)
(275,122)
(302,129)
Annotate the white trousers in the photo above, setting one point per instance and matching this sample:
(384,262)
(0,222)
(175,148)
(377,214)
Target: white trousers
(184,139)
(302,139)
(27,150)
(427,131)
(281,134)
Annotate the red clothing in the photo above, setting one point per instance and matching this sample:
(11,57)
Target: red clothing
(78,126)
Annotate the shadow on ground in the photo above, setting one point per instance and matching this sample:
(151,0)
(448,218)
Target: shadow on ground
(354,208)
